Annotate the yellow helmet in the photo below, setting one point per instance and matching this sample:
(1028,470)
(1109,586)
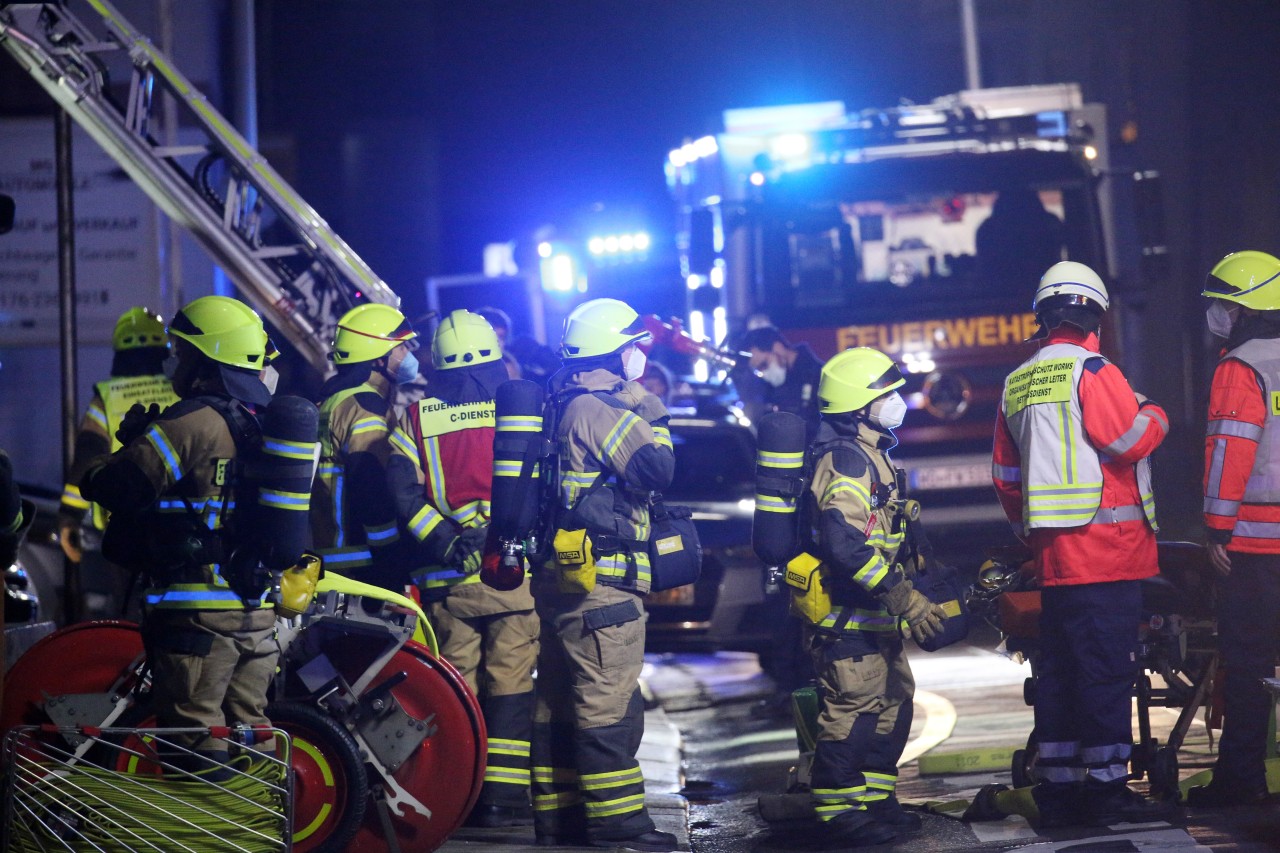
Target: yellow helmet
(1251,279)
(369,331)
(224,330)
(599,327)
(464,339)
(852,379)
(137,328)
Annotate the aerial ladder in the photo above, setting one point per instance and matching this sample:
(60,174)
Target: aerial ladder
(286,261)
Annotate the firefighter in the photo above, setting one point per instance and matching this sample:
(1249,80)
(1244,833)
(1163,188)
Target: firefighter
(856,530)
(1242,515)
(139,346)
(1071,469)
(353,516)
(212,653)
(614,449)
(441,474)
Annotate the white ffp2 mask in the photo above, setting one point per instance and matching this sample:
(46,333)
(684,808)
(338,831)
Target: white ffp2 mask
(889,412)
(633,364)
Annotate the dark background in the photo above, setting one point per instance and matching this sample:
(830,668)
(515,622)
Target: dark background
(424,129)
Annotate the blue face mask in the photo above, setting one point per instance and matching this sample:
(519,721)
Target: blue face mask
(407,371)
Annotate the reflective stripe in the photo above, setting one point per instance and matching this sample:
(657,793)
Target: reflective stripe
(616,436)
(437,577)
(97,415)
(501,746)
(1058,749)
(1110,773)
(405,445)
(611,779)
(558,800)
(610,808)
(1007,473)
(1109,753)
(1051,773)
(520,423)
(846,484)
(368,425)
(556,775)
(382,534)
(860,619)
(279,499)
(71,497)
(1118,514)
(340,558)
(770,503)
(168,455)
(1217,506)
(1213,484)
(198,597)
(1132,435)
(424,521)
(872,572)
(773,459)
(502,775)
(289,449)
(662,436)
(1237,429)
(1257,529)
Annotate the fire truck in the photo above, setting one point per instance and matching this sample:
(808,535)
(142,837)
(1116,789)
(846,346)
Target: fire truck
(919,230)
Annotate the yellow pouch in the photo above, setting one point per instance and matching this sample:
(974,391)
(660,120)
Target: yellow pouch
(298,586)
(809,597)
(575,564)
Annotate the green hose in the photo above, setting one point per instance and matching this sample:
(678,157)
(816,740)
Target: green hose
(81,807)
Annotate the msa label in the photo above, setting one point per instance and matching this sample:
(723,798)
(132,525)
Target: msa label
(220,471)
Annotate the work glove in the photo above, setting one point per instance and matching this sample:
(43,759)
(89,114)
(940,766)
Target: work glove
(924,618)
(641,401)
(135,422)
(466,551)
(69,539)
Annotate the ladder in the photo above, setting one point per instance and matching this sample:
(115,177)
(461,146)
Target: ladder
(286,261)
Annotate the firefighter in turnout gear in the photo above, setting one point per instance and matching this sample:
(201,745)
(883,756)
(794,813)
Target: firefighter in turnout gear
(353,516)
(856,529)
(140,346)
(441,474)
(614,449)
(1242,515)
(1071,469)
(212,653)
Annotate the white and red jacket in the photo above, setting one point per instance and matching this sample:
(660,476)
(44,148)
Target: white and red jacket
(1069,463)
(1242,449)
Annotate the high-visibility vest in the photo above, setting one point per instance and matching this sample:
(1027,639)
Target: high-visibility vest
(455,449)
(118,396)
(1263,485)
(1061,470)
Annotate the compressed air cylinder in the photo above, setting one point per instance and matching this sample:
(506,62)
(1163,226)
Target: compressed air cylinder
(780,447)
(517,444)
(282,474)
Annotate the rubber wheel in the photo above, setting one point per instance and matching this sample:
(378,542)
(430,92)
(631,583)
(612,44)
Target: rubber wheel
(330,787)
(1164,772)
(1029,690)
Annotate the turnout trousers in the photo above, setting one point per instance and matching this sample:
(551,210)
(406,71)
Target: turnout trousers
(1086,667)
(1249,638)
(210,668)
(589,715)
(495,648)
(865,688)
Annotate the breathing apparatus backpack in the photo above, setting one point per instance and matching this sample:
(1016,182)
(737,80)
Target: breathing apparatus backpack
(263,529)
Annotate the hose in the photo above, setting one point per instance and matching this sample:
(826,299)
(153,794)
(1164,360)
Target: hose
(78,806)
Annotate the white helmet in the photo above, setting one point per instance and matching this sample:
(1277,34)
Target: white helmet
(1074,280)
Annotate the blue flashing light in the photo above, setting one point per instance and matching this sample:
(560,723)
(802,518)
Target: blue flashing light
(544,250)
(790,146)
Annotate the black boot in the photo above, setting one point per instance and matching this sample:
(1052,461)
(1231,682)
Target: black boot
(858,829)
(891,813)
(1106,803)
(1222,795)
(494,816)
(653,841)
(1059,803)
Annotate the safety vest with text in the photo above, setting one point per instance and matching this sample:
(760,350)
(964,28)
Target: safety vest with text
(118,396)
(1061,470)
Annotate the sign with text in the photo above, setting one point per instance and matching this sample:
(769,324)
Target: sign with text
(117,263)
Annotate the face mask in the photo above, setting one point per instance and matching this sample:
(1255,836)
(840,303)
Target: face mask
(1220,318)
(633,364)
(889,412)
(775,374)
(270,377)
(407,371)
(170,367)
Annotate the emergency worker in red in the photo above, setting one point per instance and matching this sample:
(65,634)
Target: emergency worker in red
(1242,515)
(1071,469)
(353,517)
(441,474)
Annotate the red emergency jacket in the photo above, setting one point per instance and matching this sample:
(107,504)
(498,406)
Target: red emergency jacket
(1238,416)
(1092,553)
